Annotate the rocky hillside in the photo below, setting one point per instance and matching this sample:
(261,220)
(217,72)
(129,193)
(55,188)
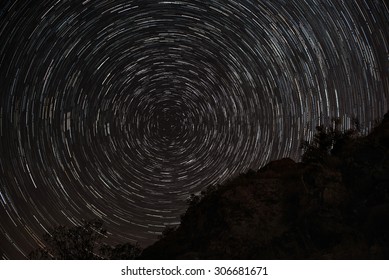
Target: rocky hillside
(333,206)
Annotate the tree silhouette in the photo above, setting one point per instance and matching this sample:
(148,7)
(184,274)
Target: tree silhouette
(83,242)
(75,243)
(329,140)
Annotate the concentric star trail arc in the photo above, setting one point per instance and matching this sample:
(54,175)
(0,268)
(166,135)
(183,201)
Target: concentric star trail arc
(121,109)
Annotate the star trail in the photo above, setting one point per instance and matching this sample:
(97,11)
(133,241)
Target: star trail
(120,110)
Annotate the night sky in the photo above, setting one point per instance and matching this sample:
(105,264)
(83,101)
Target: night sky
(120,110)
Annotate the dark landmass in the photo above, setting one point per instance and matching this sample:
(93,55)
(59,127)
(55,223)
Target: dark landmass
(333,205)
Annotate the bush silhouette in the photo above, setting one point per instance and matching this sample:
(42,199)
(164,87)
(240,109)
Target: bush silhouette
(75,243)
(328,141)
(82,243)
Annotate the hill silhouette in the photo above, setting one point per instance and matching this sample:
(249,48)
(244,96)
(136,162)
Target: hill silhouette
(333,205)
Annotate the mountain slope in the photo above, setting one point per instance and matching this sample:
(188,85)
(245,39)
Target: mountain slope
(333,208)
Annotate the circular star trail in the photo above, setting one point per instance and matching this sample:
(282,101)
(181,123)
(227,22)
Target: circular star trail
(120,109)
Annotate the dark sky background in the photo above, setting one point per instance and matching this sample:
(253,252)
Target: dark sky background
(120,109)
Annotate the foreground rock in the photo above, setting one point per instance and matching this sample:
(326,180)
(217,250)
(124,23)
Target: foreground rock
(336,208)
